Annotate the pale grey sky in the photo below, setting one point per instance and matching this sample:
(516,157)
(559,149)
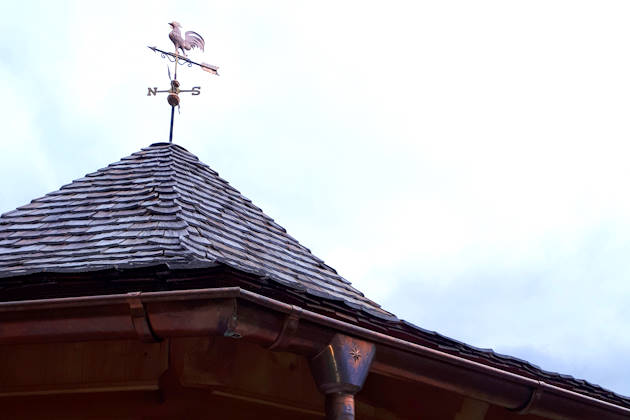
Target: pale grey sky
(462,163)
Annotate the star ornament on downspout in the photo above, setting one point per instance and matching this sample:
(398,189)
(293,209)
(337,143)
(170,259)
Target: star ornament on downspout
(355,353)
(189,41)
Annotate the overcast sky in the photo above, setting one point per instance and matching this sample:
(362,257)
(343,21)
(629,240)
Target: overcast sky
(463,163)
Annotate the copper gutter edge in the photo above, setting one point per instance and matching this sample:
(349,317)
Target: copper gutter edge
(138,315)
(534,404)
(73,302)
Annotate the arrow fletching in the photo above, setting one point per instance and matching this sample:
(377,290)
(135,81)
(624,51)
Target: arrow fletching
(209,68)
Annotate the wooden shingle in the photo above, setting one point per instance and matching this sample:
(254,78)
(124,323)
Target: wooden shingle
(160,199)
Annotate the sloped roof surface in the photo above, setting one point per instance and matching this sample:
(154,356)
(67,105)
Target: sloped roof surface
(161,205)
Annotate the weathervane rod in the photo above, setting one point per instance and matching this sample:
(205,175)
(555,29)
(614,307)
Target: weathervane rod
(176,60)
(170,136)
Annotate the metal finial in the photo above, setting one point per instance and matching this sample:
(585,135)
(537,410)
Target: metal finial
(189,41)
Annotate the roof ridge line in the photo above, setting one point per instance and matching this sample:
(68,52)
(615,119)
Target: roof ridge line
(158,183)
(183,241)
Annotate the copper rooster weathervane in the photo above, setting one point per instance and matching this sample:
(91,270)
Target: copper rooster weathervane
(189,41)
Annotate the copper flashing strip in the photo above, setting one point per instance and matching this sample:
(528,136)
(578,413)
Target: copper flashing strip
(212,311)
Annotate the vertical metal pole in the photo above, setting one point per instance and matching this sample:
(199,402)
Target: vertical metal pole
(176,60)
(170,136)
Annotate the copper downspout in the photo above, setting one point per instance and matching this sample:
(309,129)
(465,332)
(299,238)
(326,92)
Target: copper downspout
(340,370)
(236,312)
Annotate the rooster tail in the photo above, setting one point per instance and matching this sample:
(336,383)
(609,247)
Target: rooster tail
(194,40)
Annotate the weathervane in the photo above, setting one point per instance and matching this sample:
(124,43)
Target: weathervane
(189,41)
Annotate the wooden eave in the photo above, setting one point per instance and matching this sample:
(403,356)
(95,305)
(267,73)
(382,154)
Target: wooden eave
(248,316)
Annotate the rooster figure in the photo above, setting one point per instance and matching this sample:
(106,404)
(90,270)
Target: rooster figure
(190,40)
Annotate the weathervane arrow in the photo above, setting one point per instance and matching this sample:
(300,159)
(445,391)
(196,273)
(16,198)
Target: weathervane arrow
(185,60)
(189,41)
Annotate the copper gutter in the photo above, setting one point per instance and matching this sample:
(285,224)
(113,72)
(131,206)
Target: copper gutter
(237,313)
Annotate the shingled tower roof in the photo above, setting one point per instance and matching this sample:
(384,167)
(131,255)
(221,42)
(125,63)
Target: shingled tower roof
(162,207)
